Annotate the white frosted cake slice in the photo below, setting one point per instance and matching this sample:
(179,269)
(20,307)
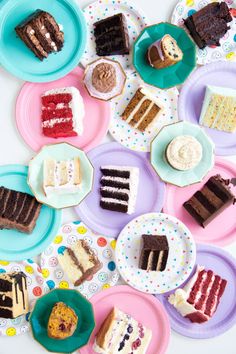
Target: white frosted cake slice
(122,334)
(219,109)
(61,177)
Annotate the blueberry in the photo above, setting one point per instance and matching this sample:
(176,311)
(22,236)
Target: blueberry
(130,329)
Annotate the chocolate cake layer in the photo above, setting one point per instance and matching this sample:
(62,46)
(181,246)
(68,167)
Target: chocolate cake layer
(154,253)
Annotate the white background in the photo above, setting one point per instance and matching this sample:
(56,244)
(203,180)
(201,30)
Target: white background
(14,150)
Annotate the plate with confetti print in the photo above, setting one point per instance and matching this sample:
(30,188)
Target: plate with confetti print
(227,49)
(180,261)
(133,138)
(98,10)
(103,247)
(36,287)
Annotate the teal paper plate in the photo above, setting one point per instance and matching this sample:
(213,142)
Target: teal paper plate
(15,245)
(169,174)
(20,61)
(60,151)
(172,75)
(40,316)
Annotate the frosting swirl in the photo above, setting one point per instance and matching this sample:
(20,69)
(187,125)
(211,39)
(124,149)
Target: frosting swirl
(104,77)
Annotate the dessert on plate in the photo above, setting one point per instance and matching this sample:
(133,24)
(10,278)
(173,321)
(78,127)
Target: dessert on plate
(184,152)
(208,25)
(61,177)
(13,295)
(199,299)
(142,110)
(41,33)
(18,210)
(121,333)
(154,253)
(111,36)
(209,202)
(164,52)
(62,112)
(62,321)
(119,188)
(79,262)
(104,79)
(219,109)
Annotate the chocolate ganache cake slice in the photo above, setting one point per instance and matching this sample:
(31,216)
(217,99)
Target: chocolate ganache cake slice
(41,33)
(154,253)
(13,295)
(214,197)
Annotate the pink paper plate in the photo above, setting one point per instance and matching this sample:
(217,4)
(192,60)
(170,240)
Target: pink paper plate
(144,308)
(28,114)
(222,230)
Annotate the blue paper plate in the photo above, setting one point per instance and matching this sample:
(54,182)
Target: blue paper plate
(14,245)
(21,61)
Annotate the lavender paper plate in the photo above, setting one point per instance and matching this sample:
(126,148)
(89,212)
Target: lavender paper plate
(224,318)
(151,190)
(192,96)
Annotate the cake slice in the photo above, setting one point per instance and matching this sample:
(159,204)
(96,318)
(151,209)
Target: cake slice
(209,202)
(219,109)
(79,262)
(154,253)
(41,33)
(13,295)
(62,177)
(62,321)
(120,333)
(142,110)
(119,188)
(62,112)
(199,299)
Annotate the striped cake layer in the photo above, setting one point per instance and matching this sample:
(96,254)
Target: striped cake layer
(154,253)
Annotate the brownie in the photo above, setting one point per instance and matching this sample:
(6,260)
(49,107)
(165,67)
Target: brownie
(154,253)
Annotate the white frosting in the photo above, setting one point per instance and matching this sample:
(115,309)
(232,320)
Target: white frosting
(50,123)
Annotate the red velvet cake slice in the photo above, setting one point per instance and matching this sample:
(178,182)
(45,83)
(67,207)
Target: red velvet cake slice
(199,299)
(62,112)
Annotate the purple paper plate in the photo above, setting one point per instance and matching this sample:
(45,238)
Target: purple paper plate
(151,190)
(224,318)
(192,96)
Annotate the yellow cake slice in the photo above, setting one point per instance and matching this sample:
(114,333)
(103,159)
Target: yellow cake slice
(62,321)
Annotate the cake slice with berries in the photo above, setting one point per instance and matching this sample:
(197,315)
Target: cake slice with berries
(62,112)
(122,334)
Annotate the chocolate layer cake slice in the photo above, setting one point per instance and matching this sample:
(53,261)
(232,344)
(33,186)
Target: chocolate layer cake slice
(154,253)
(18,210)
(208,25)
(41,33)
(111,36)
(215,196)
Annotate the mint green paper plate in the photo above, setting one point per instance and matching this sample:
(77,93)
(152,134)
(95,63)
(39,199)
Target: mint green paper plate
(172,75)
(169,174)
(40,316)
(60,151)
(15,245)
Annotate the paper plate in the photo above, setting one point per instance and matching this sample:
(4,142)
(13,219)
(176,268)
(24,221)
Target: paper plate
(15,245)
(218,232)
(35,287)
(21,61)
(150,198)
(181,259)
(68,234)
(61,151)
(133,138)
(144,308)
(98,10)
(192,96)
(227,50)
(222,263)
(40,316)
(172,75)
(168,173)
(28,114)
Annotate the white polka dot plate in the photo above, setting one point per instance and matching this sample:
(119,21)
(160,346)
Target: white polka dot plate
(103,247)
(98,10)
(181,258)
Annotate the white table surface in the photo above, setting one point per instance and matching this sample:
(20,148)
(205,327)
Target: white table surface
(14,150)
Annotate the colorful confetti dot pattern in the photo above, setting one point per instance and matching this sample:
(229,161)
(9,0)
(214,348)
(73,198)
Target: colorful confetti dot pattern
(181,259)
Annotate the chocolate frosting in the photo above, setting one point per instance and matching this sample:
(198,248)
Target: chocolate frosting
(104,77)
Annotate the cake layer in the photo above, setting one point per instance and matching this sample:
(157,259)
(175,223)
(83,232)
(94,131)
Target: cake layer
(154,253)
